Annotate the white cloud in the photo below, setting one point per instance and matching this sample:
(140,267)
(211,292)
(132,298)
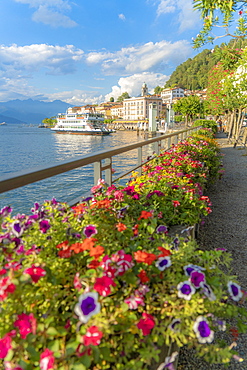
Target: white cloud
(122,17)
(187,17)
(58,60)
(50,12)
(147,57)
(77,97)
(132,84)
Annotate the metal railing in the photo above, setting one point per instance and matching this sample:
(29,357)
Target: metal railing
(102,161)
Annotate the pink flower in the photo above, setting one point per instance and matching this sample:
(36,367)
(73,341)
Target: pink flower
(5,346)
(133,302)
(146,324)
(6,287)
(35,272)
(47,360)
(92,336)
(77,283)
(102,285)
(26,324)
(176,203)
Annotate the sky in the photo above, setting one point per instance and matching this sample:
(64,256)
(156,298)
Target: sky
(84,52)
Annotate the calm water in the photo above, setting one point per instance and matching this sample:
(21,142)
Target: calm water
(25,148)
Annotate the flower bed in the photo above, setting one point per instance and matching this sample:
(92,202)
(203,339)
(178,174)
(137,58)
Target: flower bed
(103,286)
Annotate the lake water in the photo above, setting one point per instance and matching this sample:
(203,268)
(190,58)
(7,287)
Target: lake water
(25,148)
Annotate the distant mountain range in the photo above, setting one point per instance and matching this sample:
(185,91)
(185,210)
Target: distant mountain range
(30,111)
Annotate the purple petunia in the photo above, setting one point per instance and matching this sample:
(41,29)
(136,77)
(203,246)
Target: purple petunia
(163,262)
(174,325)
(208,292)
(188,269)
(234,291)
(90,230)
(169,362)
(44,226)
(197,278)
(185,290)
(162,229)
(17,229)
(5,211)
(88,306)
(203,332)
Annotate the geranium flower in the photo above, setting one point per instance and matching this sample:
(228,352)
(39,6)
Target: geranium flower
(6,287)
(143,276)
(185,290)
(133,302)
(97,251)
(5,346)
(176,203)
(26,324)
(123,261)
(92,336)
(197,278)
(163,262)
(145,215)
(146,324)
(203,332)
(234,291)
(90,230)
(121,227)
(35,273)
(103,284)
(141,256)
(86,244)
(88,306)
(47,360)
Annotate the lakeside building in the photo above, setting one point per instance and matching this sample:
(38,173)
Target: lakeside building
(138,108)
(170,94)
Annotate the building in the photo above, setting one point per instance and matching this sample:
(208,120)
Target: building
(138,108)
(169,94)
(117,110)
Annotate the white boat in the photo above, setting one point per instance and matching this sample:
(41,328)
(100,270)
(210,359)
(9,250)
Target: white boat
(3,123)
(81,123)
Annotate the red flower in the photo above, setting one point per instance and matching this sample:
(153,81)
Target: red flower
(121,227)
(145,257)
(164,252)
(102,285)
(93,264)
(145,215)
(97,251)
(146,324)
(143,276)
(35,272)
(92,336)
(176,203)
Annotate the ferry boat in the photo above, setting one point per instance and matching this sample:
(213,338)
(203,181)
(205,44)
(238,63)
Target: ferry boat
(87,123)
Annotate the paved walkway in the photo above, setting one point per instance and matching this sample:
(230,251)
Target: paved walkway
(226,227)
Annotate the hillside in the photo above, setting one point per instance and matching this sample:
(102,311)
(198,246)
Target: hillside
(193,74)
(30,111)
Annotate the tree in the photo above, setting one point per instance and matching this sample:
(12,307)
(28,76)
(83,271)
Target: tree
(112,99)
(210,9)
(158,90)
(189,106)
(124,95)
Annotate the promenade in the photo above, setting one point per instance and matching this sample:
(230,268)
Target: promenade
(226,227)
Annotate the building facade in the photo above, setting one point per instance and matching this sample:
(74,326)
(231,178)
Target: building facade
(169,94)
(138,108)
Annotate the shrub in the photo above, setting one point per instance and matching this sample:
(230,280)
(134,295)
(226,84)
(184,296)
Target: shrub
(206,124)
(103,285)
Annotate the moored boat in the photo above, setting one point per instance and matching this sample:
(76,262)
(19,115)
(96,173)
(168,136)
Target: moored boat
(86,123)
(3,123)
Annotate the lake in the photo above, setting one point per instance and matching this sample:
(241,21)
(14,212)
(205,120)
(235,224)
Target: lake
(26,147)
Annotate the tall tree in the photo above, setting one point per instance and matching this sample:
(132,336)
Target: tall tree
(124,95)
(189,106)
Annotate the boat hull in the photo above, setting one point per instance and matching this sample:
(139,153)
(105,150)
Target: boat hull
(94,133)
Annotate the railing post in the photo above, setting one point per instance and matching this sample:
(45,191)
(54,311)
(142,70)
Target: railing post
(168,143)
(156,148)
(108,171)
(140,160)
(97,172)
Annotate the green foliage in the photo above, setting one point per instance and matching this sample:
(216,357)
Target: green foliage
(206,123)
(124,95)
(189,106)
(158,90)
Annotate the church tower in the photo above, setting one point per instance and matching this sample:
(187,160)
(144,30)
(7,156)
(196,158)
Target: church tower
(144,89)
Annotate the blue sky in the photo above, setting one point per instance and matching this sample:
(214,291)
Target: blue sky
(84,52)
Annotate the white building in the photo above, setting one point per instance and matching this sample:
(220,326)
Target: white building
(138,108)
(169,94)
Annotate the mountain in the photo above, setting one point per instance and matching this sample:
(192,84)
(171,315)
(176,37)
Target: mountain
(30,111)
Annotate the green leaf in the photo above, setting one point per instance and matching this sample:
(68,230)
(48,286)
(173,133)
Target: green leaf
(52,331)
